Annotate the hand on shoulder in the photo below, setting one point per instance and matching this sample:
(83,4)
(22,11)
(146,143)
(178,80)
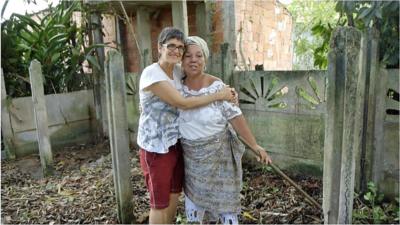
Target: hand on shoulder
(212,78)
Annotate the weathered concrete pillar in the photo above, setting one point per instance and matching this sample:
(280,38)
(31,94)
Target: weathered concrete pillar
(40,111)
(6,128)
(378,146)
(229,22)
(144,36)
(201,21)
(118,131)
(228,48)
(100,124)
(226,64)
(179,15)
(119,24)
(222,52)
(206,18)
(353,125)
(373,77)
(344,121)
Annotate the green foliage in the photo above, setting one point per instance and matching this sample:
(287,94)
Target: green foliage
(375,211)
(266,169)
(181,219)
(131,83)
(382,15)
(306,15)
(55,40)
(320,52)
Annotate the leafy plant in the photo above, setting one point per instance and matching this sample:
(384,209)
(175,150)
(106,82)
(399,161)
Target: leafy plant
(373,209)
(181,219)
(320,53)
(56,41)
(381,15)
(266,169)
(306,15)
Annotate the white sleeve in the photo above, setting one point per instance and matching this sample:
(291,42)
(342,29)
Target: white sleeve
(149,76)
(230,110)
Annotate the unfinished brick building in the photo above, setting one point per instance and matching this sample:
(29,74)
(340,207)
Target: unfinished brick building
(240,34)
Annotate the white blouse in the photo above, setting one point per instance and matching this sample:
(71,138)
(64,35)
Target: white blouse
(158,122)
(207,120)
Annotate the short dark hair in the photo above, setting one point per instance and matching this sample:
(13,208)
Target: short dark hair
(170,33)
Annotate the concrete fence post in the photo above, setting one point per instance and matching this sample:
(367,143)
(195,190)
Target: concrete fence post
(6,128)
(118,131)
(40,114)
(226,64)
(100,123)
(378,147)
(344,122)
(143,27)
(179,15)
(373,78)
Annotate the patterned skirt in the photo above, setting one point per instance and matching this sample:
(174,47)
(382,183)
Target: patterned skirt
(213,171)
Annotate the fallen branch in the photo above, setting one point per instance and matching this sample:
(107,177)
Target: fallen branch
(284,176)
(272,214)
(308,197)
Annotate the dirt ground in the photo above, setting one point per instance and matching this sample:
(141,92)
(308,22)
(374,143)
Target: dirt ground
(82,191)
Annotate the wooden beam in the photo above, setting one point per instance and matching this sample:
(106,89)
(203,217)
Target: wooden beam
(40,113)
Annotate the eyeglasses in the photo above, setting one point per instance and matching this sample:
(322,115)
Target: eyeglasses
(172,47)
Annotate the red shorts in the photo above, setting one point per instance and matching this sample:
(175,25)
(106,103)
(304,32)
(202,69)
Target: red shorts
(163,174)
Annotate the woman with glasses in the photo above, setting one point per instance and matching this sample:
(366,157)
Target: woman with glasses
(160,151)
(212,152)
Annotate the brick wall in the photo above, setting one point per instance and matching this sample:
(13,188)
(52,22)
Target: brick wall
(266,30)
(217,29)
(131,53)
(161,17)
(109,31)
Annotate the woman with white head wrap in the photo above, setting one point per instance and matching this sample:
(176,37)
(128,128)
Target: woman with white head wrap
(195,40)
(160,151)
(212,151)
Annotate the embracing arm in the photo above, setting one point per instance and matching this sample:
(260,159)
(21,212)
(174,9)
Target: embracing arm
(241,127)
(170,95)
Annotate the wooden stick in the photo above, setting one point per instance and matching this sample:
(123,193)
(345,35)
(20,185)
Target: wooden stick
(296,186)
(284,176)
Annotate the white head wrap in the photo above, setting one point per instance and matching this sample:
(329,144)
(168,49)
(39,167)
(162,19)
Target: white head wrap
(195,40)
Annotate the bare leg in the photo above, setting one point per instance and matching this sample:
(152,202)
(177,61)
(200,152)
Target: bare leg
(166,215)
(173,203)
(158,216)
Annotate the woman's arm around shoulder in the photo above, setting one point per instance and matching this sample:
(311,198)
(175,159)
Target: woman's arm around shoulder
(212,79)
(167,93)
